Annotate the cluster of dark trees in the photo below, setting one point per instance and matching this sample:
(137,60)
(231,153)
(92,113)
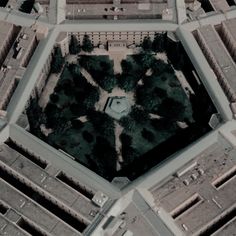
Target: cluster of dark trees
(75,47)
(101,69)
(102,123)
(104,156)
(128,152)
(57,61)
(3,3)
(81,97)
(157,45)
(27,6)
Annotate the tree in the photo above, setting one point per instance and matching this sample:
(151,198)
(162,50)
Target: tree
(105,156)
(54,98)
(108,82)
(74,46)
(127,82)
(127,66)
(87,136)
(139,115)
(27,6)
(172,109)
(3,3)
(158,44)
(129,154)
(87,45)
(147,99)
(77,124)
(77,110)
(128,123)
(147,44)
(57,61)
(75,70)
(126,139)
(92,97)
(102,123)
(161,93)
(148,135)
(147,60)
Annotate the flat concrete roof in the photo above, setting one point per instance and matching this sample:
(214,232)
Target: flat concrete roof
(8,228)
(231,27)
(221,56)
(27,208)
(123,10)
(220,5)
(208,168)
(48,182)
(6,28)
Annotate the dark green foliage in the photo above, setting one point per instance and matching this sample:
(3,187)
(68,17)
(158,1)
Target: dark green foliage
(74,46)
(140,115)
(127,82)
(108,83)
(75,70)
(147,44)
(36,117)
(27,6)
(68,89)
(128,123)
(102,123)
(77,110)
(158,44)
(51,109)
(148,135)
(161,93)
(101,69)
(3,3)
(92,97)
(54,98)
(129,154)
(172,109)
(126,139)
(127,66)
(77,124)
(105,155)
(147,60)
(163,124)
(87,45)
(53,115)
(57,61)
(159,67)
(87,136)
(147,99)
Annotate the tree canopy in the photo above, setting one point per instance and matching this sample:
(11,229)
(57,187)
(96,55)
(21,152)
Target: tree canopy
(27,6)
(74,46)
(146,44)
(57,61)
(87,45)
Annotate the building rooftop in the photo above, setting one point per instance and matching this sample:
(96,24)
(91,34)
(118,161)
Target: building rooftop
(131,10)
(5,30)
(40,173)
(132,215)
(206,184)
(220,5)
(220,54)
(8,228)
(231,26)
